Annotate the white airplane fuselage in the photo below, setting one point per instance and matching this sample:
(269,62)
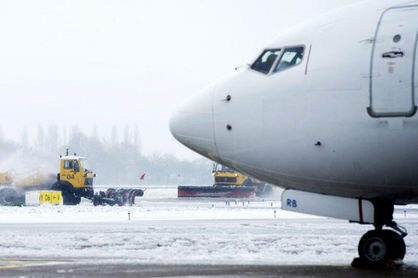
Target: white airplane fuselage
(341,122)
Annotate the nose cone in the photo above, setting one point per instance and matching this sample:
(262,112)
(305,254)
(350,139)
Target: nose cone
(192,124)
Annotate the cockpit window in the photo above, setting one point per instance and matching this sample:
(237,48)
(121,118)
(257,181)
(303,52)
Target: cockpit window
(266,60)
(290,57)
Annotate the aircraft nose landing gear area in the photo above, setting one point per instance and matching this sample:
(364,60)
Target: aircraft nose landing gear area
(380,248)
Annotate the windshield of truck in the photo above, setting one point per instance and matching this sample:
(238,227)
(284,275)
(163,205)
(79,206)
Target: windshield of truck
(225,180)
(84,164)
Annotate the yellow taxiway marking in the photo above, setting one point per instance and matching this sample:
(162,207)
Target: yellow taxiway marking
(11,266)
(20,263)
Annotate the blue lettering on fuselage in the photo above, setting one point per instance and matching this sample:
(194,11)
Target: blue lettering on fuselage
(291,203)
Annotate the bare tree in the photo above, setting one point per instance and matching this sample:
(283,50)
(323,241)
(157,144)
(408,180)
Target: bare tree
(40,141)
(126,136)
(136,137)
(52,138)
(114,136)
(25,138)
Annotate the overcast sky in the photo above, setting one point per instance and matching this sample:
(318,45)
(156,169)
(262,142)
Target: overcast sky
(112,63)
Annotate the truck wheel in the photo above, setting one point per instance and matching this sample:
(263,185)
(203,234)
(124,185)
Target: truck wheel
(90,193)
(9,196)
(69,197)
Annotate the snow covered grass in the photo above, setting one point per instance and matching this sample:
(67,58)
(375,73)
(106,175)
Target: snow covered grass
(164,229)
(168,210)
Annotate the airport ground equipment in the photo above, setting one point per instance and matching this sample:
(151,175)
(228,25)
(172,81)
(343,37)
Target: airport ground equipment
(227,184)
(13,186)
(224,176)
(215,192)
(74,181)
(117,197)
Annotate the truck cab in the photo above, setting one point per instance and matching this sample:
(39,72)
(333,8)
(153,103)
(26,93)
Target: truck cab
(74,179)
(74,170)
(223,176)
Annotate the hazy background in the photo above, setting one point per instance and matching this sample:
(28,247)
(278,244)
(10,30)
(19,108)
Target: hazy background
(112,70)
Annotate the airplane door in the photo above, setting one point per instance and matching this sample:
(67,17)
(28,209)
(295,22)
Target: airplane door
(393,64)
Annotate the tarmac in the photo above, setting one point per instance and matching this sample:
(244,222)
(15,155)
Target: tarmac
(74,268)
(172,238)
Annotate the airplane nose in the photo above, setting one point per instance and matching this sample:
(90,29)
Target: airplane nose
(192,124)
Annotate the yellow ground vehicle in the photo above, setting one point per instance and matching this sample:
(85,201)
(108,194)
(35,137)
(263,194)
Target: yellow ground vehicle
(74,180)
(223,176)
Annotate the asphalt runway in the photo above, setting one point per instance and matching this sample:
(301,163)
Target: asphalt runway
(68,268)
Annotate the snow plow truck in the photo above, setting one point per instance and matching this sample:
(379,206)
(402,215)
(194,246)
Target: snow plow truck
(74,181)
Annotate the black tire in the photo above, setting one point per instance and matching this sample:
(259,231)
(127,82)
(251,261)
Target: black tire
(373,248)
(96,201)
(397,247)
(9,196)
(376,248)
(89,193)
(69,197)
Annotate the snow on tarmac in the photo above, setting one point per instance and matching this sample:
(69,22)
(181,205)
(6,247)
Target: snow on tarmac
(164,229)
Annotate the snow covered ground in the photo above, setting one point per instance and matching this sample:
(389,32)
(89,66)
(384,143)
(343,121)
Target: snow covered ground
(164,229)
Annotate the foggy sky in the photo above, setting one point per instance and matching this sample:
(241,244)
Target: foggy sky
(111,63)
